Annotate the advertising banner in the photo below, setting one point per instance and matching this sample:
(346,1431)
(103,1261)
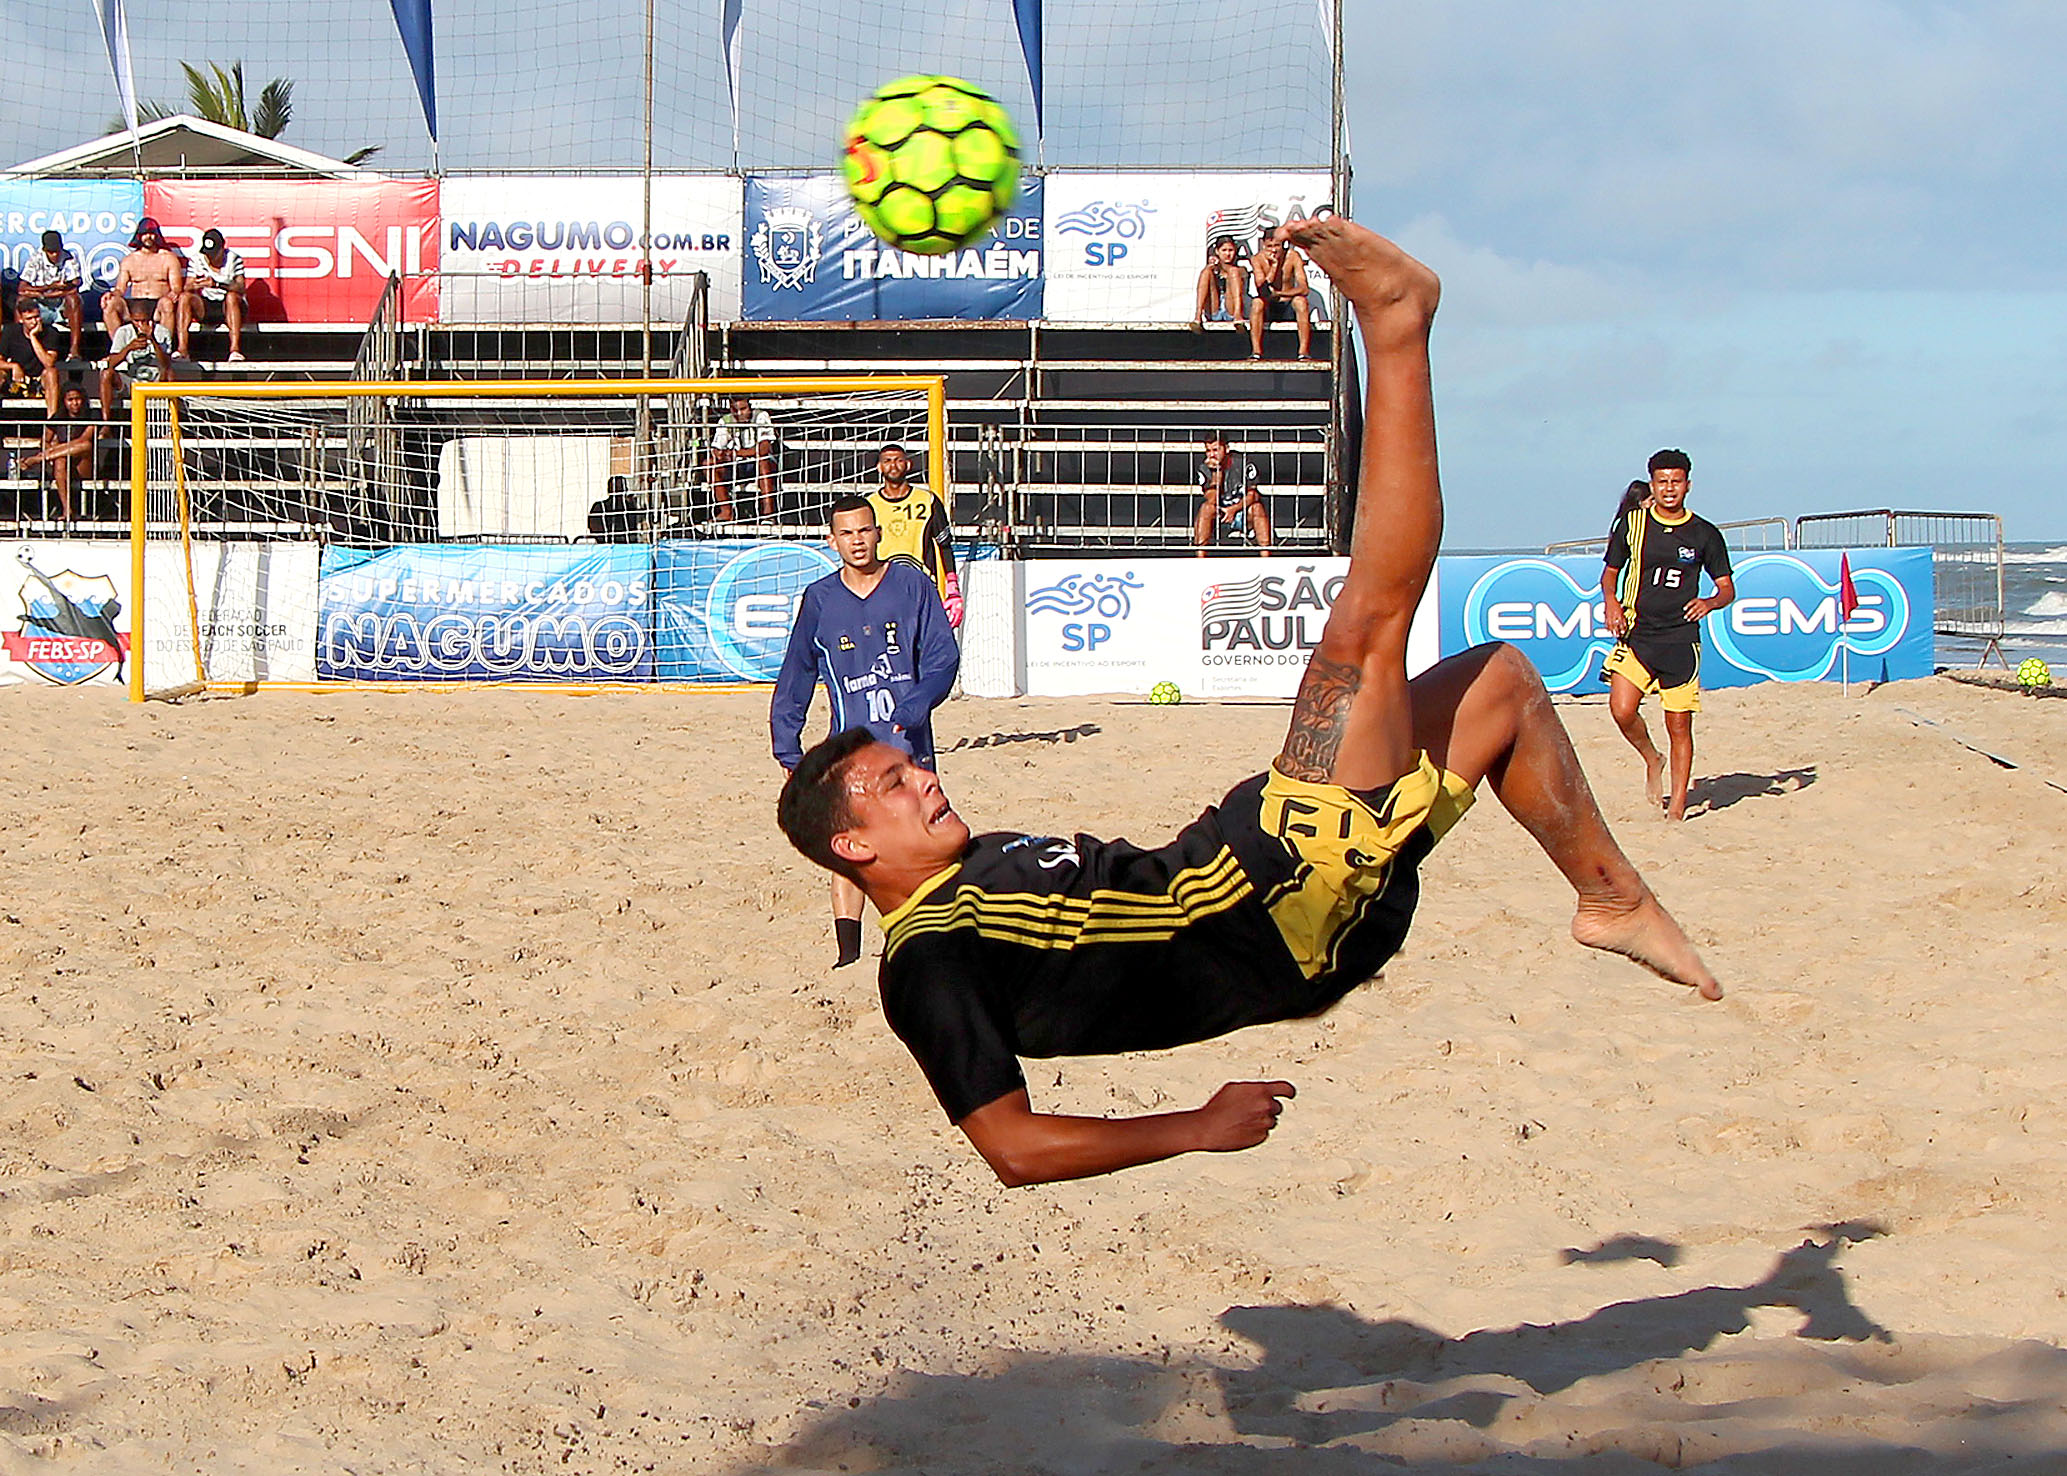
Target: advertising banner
(257,608)
(315,251)
(63,614)
(493,613)
(1215,627)
(722,610)
(1783,625)
(529,249)
(1128,248)
(97,217)
(811,258)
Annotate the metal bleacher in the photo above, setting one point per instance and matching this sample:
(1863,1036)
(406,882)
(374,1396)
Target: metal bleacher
(1079,438)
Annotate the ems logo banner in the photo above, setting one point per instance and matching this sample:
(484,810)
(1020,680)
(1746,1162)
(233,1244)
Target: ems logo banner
(492,613)
(723,610)
(809,257)
(1783,626)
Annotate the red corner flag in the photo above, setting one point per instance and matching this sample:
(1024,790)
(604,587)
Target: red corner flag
(1847,592)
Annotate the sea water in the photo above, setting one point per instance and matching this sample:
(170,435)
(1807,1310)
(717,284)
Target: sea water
(2034,609)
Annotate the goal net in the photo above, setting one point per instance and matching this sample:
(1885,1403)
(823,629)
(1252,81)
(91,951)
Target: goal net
(567,533)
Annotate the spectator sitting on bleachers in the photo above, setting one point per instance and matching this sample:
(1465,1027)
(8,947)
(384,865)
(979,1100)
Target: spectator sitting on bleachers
(744,437)
(214,294)
(68,442)
(616,516)
(1221,291)
(1227,492)
(135,354)
(1279,268)
(148,283)
(27,359)
(50,280)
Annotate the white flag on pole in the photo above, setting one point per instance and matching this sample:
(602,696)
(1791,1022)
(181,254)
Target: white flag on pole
(114,28)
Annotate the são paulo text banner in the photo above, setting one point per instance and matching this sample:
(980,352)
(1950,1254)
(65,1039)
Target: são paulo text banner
(1783,625)
(809,257)
(494,613)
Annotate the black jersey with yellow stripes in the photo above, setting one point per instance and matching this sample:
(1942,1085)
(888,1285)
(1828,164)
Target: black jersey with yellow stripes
(1661,564)
(1044,946)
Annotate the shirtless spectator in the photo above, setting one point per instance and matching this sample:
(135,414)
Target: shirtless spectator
(50,280)
(68,442)
(1279,269)
(215,294)
(1221,290)
(139,351)
(28,359)
(148,284)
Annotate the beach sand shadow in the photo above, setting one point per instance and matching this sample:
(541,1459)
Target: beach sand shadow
(1720,791)
(1055,735)
(1659,1383)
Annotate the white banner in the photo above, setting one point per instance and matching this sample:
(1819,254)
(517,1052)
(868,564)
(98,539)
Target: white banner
(527,249)
(1221,627)
(1128,248)
(65,613)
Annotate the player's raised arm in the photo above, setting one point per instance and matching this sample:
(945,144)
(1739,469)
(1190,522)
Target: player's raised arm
(1023,1146)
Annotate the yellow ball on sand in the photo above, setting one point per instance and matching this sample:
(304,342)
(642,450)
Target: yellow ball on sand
(1165,694)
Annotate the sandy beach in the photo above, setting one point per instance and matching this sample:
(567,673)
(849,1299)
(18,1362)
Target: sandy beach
(454,1082)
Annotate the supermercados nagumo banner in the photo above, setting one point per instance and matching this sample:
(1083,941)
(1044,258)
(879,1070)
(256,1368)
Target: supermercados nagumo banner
(1215,627)
(96,218)
(1128,248)
(66,619)
(315,251)
(526,249)
(578,614)
(809,257)
(1783,626)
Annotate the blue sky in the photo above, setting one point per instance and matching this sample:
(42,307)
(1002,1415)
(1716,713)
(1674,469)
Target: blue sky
(1818,245)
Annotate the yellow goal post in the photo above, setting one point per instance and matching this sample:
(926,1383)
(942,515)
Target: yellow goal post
(256,511)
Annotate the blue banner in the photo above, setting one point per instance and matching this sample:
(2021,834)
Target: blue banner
(97,218)
(437,612)
(722,610)
(1783,625)
(813,259)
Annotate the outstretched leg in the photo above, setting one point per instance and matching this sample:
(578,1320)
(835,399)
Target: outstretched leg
(1624,700)
(1352,724)
(1484,714)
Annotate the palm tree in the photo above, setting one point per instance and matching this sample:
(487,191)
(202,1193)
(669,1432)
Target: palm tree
(217,94)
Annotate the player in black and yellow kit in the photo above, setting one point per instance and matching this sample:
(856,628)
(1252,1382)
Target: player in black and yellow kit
(1275,902)
(915,526)
(1651,591)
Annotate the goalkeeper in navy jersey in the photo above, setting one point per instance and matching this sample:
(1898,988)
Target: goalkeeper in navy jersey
(1651,594)
(1278,900)
(874,633)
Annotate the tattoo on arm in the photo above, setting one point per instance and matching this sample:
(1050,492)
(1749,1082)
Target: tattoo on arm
(1318,719)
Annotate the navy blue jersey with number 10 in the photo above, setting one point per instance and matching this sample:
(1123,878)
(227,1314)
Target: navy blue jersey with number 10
(886,662)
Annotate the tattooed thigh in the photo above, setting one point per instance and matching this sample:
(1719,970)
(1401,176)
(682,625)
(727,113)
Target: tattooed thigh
(1319,718)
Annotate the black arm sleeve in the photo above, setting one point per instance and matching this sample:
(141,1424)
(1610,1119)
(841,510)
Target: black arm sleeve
(961,1039)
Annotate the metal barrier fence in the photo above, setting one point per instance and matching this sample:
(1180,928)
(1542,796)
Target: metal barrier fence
(1966,560)
(1746,533)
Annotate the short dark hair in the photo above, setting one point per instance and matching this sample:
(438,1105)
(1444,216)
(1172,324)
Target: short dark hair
(1215,438)
(849,502)
(1219,241)
(889,446)
(1671,460)
(813,807)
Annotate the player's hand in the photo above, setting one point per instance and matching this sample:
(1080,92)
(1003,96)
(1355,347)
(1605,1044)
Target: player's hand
(1241,1114)
(1617,618)
(1700,609)
(951,597)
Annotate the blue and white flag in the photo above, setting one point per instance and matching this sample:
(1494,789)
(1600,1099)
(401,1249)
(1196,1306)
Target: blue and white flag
(1028,14)
(730,32)
(114,29)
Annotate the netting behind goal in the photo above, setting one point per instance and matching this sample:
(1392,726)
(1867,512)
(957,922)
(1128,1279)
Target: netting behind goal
(569,532)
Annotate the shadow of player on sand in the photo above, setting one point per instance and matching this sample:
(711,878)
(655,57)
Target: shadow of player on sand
(1720,791)
(1633,1387)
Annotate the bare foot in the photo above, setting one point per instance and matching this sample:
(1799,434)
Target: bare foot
(1390,290)
(1654,780)
(1644,932)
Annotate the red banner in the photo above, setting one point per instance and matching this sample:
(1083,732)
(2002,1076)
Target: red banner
(315,251)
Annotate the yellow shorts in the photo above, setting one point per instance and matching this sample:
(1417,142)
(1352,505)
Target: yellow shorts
(1344,848)
(1686,697)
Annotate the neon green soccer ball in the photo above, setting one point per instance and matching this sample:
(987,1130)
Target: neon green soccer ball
(1165,694)
(2034,675)
(932,162)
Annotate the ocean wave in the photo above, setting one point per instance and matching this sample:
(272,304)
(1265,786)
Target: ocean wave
(2025,556)
(2048,604)
(2035,628)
